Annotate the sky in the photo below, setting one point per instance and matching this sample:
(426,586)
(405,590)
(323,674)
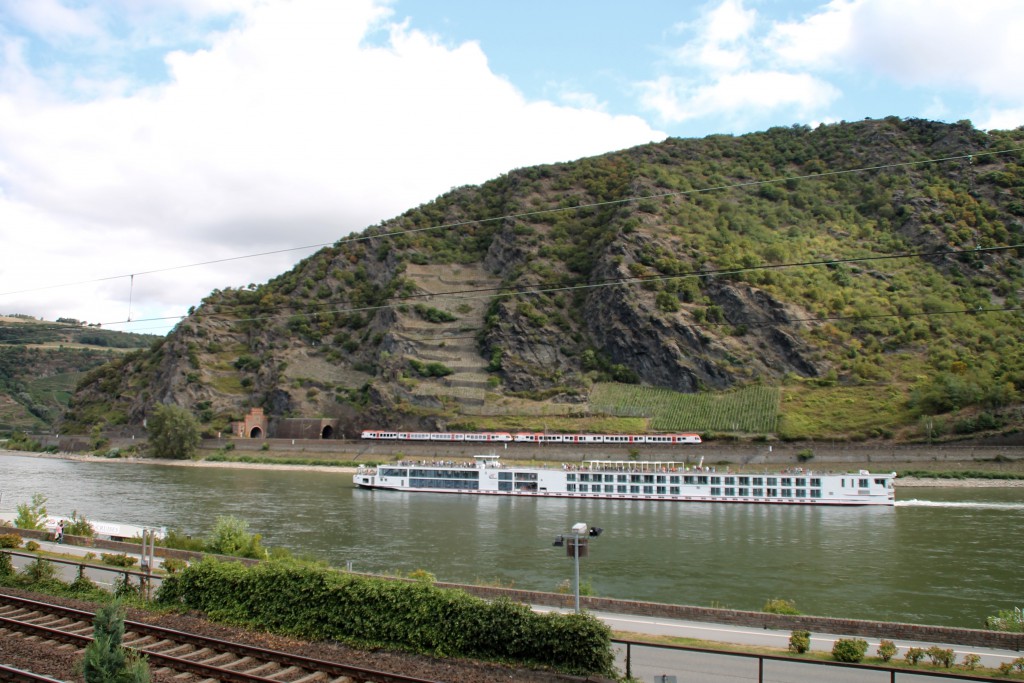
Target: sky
(152,151)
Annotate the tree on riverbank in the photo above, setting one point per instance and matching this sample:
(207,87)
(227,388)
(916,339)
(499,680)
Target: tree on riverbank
(173,432)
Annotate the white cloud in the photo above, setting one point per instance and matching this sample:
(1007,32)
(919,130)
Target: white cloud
(999,119)
(918,43)
(289,128)
(52,19)
(733,96)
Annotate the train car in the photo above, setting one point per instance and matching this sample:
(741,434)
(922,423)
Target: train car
(448,436)
(374,434)
(624,438)
(583,438)
(533,437)
(673,438)
(488,436)
(527,437)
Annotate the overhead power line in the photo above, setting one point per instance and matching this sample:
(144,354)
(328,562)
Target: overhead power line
(369,234)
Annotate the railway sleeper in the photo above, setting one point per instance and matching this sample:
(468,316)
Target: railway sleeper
(263,669)
(244,661)
(315,677)
(285,673)
(174,651)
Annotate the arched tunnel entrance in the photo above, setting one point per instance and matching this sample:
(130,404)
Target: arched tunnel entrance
(256,433)
(327,432)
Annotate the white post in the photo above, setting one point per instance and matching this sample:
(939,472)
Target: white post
(576,553)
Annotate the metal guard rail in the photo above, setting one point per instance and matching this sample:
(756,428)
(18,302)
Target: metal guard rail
(761,659)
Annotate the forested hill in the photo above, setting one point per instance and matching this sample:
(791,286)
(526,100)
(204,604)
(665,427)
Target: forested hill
(854,280)
(41,362)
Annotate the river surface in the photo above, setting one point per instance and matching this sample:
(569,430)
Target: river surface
(941,556)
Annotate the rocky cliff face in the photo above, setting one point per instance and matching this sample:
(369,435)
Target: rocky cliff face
(692,265)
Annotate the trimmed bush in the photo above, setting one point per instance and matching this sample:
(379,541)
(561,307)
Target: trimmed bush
(800,641)
(10,541)
(31,546)
(887,650)
(941,656)
(320,604)
(914,655)
(850,649)
(173,565)
(121,560)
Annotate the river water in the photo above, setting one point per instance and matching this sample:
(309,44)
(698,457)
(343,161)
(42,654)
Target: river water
(941,556)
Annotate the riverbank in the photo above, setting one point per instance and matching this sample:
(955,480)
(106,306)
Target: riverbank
(900,482)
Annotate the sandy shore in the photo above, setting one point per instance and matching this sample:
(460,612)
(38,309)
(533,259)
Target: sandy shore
(901,482)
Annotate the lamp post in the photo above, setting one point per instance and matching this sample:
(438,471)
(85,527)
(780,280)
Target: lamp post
(578,543)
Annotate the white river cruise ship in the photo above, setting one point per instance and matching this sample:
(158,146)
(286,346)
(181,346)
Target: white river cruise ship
(631,480)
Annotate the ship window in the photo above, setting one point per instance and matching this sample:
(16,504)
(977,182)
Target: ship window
(816,483)
(758,493)
(716,481)
(634,479)
(648,489)
(571,488)
(621,478)
(609,478)
(608,488)
(661,490)
(620,488)
(772,481)
(648,478)
(787,493)
(744,492)
(568,477)
(689,480)
(773,493)
(674,479)
(702,480)
(730,481)
(880,482)
(715,491)
(634,489)
(504,486)
(801,493)
(730,491)
(801,482)
(786,481)
(660,479)
(744,481)
(504,475)
(758,481)
(863,483)
(584,488)
(674,490)
(815,493)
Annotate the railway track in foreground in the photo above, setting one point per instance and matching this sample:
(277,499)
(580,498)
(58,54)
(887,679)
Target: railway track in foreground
(189,656)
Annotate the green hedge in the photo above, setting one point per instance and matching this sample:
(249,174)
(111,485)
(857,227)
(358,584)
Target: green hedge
(321,604)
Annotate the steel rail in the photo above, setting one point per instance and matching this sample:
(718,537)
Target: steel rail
(9,673)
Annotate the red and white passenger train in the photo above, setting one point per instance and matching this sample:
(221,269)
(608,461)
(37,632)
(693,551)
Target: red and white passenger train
(531,437)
